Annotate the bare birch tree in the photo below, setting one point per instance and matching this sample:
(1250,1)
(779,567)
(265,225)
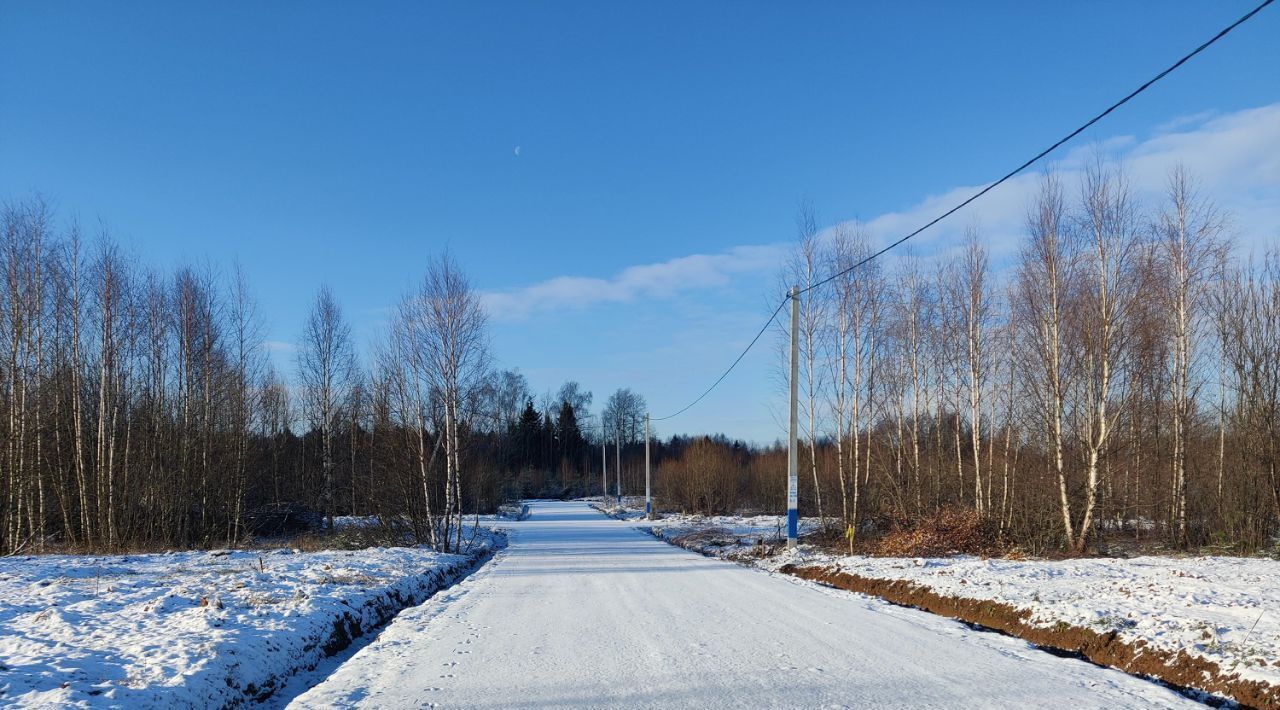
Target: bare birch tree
(244,395)
(1191,247)
(451,327)
(325,370)
(1108,287)
(970,297)
(1045,275)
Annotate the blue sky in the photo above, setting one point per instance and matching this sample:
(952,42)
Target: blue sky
(346,144)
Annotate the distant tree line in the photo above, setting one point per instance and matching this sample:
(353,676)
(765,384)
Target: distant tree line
(141,408)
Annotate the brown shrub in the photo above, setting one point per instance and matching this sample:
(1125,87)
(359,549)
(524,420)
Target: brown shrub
(347,538)
(950,531)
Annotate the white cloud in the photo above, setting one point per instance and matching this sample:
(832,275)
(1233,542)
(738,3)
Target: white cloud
(1235,158)
(660,280)
(1181,122)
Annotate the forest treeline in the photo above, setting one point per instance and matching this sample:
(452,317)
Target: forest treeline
(1123,373)
(141,408)
(1120,376)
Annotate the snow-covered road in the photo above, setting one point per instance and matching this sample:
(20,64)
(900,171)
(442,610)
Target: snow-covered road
(583,610)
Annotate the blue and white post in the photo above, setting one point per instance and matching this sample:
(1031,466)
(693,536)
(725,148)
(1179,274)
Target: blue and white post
(793,426)
(648,495)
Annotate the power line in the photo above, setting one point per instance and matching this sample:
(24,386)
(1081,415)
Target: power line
(1083,127)
(1046,151)
(720,379)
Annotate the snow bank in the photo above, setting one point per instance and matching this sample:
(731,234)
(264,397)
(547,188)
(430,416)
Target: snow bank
(197,629)
(1225,610)
(729,534)
(770,528)
(358,522)
(629,508)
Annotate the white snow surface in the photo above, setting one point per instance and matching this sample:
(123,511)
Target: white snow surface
(1224,609)
(584,610)
(748,529)
(191,629)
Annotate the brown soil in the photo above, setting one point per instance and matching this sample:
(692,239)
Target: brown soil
(1104,648)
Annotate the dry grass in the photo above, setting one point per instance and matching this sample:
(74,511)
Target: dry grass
(950,531)
(352,538)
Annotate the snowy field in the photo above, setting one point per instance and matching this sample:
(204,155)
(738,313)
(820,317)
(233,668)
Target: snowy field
(197,629)
(1223,609)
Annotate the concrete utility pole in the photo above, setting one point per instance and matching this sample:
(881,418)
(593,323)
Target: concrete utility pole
(648,494)
(617,470)
(793,425)
(604,467)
